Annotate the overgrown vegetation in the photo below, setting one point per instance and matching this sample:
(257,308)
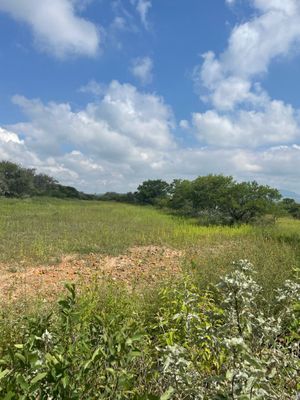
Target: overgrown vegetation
(217,331)
(212,199)
(186,343)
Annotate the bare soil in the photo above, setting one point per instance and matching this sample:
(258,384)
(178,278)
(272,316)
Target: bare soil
(138,266)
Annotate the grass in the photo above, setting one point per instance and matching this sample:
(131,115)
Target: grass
(41,231)
(38,230)
(123,324)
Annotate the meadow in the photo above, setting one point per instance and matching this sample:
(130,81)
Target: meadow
(124,344)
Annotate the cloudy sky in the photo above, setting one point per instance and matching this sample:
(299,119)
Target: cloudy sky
(103,94)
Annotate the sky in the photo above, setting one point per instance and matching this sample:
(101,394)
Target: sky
(104,94)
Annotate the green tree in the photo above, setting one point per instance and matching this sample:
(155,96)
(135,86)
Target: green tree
(44,184)
(181,196)
(218,199)
(291,207)
(151,191)
(211,191)
(15,181)
(247,201)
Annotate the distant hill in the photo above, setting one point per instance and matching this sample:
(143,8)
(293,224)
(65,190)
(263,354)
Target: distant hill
(290,195)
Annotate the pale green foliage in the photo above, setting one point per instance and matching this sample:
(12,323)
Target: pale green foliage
(189,344)
(252,356)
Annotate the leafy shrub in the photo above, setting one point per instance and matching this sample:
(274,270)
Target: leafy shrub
(190,344)
(213,217)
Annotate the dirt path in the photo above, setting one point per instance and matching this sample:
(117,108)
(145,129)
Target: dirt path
(139,265)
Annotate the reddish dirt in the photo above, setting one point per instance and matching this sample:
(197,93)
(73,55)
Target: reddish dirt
(139,265)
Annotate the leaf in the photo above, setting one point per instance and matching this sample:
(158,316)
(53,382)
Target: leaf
(9,396)
(167,395)
(4,373)
(22,382)
(38,378)
(20,357)
(65,382)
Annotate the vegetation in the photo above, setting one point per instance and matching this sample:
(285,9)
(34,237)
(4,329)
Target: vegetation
(213,199)
(217,330)
(291,207)
(16,181)
(177,343)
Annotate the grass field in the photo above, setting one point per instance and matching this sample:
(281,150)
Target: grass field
(38,229)
(36,232)
(41,231)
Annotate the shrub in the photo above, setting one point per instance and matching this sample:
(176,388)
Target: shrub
(190,344)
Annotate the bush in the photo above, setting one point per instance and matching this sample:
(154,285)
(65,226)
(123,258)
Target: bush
(189,344)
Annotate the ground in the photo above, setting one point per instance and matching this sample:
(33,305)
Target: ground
(139,265)
(45,242)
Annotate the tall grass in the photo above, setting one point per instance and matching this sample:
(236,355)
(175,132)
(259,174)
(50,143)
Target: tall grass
(36,230)
(163,342)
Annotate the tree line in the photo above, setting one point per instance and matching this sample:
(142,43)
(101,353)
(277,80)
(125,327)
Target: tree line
(212,199)
(16,181)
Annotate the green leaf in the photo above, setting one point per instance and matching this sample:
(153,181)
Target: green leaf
(38,378)
(10,395)
(65,381)
(4,373)
(20,357)
(168,394)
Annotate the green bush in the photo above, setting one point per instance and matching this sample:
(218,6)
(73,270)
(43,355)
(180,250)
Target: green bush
(185,343)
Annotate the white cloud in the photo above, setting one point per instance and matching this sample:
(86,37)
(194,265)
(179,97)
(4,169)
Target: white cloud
(277,123)
(230,79)
(242,114)
(93,87)
(142,69)
(184,124)
(9,137)
(93,172)
(143,7)
(128,131)
(56,27)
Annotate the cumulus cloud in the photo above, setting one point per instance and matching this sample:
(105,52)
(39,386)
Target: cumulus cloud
(123,120)
(252,46)
(242,113)
(142,69)
(125,132)
(277,123)
(127,136)
(56,26)
(124,135)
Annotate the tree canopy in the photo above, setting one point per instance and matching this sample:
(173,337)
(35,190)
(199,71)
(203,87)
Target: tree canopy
(16,181)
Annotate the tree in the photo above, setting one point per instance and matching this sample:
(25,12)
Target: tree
(218,199)
(44,184)
(181,196)
(151,191)
(211,191)
(249,200)
(16,181)
(291,206)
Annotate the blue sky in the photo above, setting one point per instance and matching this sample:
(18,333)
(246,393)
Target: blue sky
(105,94)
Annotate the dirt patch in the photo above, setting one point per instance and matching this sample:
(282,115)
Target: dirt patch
(139,265)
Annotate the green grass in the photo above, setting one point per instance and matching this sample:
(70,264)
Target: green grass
(37,230)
